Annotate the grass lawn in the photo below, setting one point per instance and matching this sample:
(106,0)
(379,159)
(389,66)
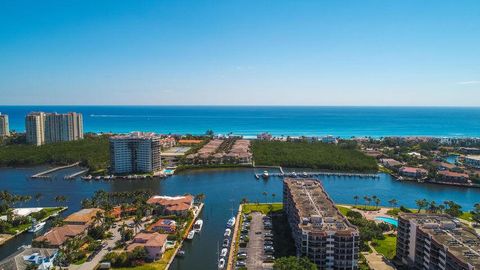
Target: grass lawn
(158,265)
(466,216)
(343,210)
(264,208)
(387,246)
(367,207)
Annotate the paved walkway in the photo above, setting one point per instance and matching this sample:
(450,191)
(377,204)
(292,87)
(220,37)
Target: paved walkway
(376,261)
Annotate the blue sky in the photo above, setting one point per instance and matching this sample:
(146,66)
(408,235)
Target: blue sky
(325,52)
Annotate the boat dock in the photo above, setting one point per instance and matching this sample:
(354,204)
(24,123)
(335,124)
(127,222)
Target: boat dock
(44,174)
(73,175)
(314,174)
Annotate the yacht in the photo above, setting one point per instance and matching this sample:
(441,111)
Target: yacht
(197,227)
(36,226)
(89,177)
(221,263)
(227,233)
(190,235)
(231,222)
(265,175)
(181,253)
(224,252)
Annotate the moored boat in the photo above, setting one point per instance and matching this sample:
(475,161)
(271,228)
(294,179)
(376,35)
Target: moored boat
(197,227)
(265,175)
(231,222)
(190,235)
(36,226)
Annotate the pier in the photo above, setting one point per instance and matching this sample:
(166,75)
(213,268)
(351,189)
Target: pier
(73,175)
(314,174)
(44,173)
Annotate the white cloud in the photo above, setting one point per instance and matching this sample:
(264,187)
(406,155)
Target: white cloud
(469,82)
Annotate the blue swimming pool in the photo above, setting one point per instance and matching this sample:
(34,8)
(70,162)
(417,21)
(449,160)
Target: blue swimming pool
(388,220)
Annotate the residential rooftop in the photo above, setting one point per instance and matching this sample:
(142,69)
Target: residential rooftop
(316,210)
(460,240)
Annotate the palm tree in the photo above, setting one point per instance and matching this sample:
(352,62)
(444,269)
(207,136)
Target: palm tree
(60,198)
(200,197)
(367,200)
(273,197)
(377,202)
(356,199)
(137,222)
(421,204)
(37,197)
(244,201)
(393,202)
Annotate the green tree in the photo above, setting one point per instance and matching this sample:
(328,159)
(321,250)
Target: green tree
(421,204)
(293,263)
(476,213)
(356,199)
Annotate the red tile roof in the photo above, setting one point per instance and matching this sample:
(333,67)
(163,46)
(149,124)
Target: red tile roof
(58,235)
(178,203)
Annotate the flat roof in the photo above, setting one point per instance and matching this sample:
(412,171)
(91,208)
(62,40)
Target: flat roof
(461,241)
(175,151)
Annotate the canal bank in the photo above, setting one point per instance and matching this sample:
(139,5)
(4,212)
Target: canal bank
(224,190)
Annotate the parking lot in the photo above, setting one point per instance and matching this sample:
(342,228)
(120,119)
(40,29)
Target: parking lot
(259,250)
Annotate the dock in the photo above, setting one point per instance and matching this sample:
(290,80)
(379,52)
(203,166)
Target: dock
(73,175)
(44,173)
(314,174)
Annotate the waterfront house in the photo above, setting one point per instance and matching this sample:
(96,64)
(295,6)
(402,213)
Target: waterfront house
(172,205)
(83,217)
(30,258)
(57,236)
(154,244)
(472,161)
(164,225)
(390,163)
(413,172)
(117,212)
(454,177)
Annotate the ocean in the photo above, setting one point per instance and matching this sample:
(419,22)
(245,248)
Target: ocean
(278,120)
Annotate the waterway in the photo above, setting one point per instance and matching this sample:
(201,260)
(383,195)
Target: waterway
(224,189)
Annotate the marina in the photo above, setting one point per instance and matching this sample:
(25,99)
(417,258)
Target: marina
(266,175)
(44,174)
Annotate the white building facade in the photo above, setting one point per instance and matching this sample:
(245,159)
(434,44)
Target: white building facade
(4,127)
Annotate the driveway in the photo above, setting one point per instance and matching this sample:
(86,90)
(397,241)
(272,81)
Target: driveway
(255,245)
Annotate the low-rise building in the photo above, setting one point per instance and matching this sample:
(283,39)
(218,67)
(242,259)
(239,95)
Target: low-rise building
(472,161)
(436,241)
(57,236)
(28,257)
(172,205)
(413,172)
(154,244)
(390,163)
(164,226)
(117,211)
(329,139)
(319,230)
(83,217)
(453,177)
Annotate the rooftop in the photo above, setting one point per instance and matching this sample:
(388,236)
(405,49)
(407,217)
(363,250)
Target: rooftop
(316,210)
(83,216)
(460,240)
(136,135)
(17,261)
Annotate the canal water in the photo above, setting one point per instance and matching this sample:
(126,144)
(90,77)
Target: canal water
(224,189)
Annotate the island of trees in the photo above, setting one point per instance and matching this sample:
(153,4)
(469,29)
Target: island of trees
(315,155)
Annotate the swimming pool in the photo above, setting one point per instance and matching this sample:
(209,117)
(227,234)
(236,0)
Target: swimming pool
(388,220)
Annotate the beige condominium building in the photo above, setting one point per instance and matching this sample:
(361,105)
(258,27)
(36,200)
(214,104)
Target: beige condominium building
(320,231)
(436,241)
(4,128)
(44,128)
(35,128)
(137,152)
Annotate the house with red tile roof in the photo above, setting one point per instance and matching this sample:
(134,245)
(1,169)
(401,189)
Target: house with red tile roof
(117,211)
(154,244)
(454,177)
(57,236)
(172,205)
(164,225)
(413,172)
(82,217)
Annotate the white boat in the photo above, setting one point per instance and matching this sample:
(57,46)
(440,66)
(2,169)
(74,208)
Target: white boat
(89,177)
(221,263)
(190,235)
(197,227)
(36,227)
(265,175)
(231,222)
(224,252)
(227,233)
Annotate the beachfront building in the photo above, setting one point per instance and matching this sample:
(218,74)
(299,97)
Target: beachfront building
(413,172)
(137,152)
(4,127)
(319,230)
(63,127)
(44,128)
(436,241)
(329,139)
(472,161)
(35,128)
(154,244)
(172,205)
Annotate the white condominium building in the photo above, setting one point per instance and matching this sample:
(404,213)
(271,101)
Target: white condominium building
(135,152)
(35,128)
(4,129)
(53,127)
